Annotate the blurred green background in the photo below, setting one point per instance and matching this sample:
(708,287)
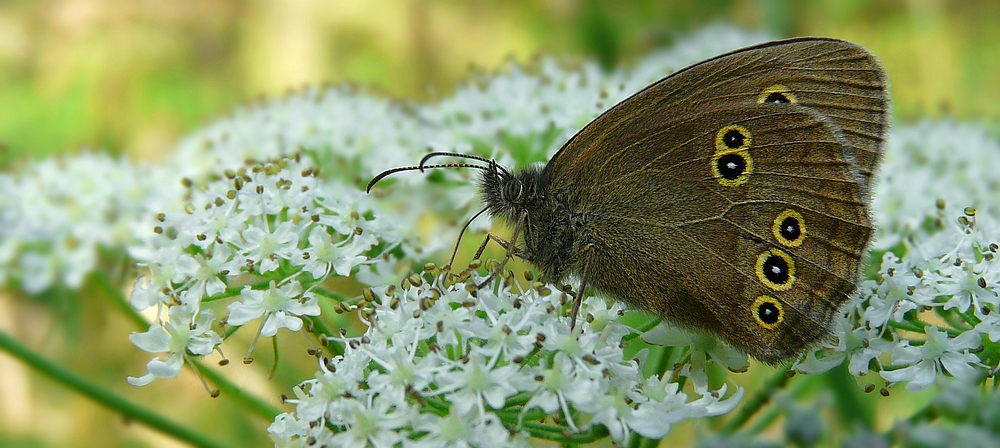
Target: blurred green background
(131,77)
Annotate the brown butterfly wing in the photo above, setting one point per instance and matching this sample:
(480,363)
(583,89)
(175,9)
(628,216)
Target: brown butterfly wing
(839,80)
(756,237)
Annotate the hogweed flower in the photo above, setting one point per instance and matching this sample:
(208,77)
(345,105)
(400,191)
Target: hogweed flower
(57,215)
(263,238)
(183,333)
(485,367)
(947,275)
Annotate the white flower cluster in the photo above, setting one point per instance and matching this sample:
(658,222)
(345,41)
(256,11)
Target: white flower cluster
(442,366)
(264,236)
(56,216)
(928,163)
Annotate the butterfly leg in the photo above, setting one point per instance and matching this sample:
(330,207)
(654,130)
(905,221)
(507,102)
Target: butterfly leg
(509,245)
(578,297)
(464,228)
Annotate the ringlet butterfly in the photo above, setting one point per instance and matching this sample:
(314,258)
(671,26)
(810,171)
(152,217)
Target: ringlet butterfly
(729,197)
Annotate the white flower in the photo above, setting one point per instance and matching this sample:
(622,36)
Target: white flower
(437,345)
(702,349)
(322,396)
(280,306)
(266,248)
(894,295)
(939,351)
(249,227)
(326,255)
(667,406)
(472,385)
(403,371)
(989,324)
(177,337)
(287,431)
(376,424)
(464,430)
(56,216)
(860,343)
(966,284)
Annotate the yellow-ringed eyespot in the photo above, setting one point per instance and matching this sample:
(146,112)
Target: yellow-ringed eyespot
(732,138)
(733,168)
(777,94)
(789,228)
(776,270)
(768,312)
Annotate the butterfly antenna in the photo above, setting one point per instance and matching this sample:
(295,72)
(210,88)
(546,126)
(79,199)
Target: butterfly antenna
(465,156)
(462,232)
(421,168)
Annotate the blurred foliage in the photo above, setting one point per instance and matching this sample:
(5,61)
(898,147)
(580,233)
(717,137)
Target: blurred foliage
(131,77)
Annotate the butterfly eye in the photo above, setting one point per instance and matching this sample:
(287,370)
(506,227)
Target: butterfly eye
(776,94)
(775,270)
(789,228)
(512,190)
(768,312)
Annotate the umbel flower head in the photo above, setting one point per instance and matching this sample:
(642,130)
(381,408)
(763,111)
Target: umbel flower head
(443,363)
(261,239)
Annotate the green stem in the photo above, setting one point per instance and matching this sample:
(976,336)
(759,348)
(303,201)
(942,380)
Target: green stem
(756,402)
(640,329)
(925,414)
(329,294)
(100,279)
(559,433)
(519,399)
(953,318)
(920,326)
(104,396)
(323,331)
(642,442)
(968,319)
(906,325)
(438,406)
(766,419)
(849,399)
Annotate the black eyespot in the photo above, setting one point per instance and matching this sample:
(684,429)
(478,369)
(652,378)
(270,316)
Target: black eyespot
(731,166)
(775,269)
(790,228)
(776,94)
(777,97)
(768,313)
(733,139)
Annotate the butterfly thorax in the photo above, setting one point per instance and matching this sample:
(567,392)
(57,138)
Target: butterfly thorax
(548,229)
